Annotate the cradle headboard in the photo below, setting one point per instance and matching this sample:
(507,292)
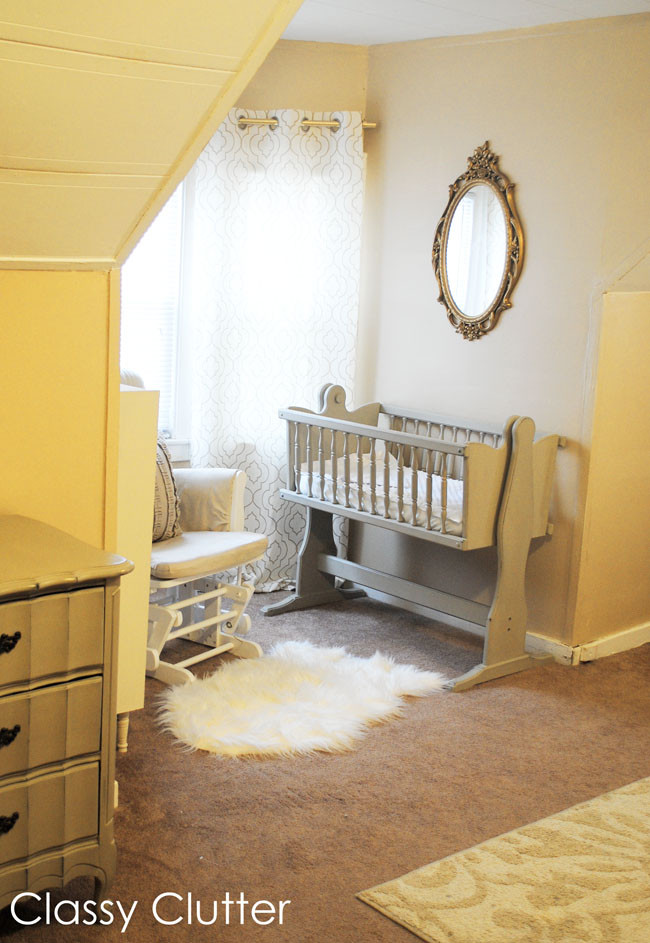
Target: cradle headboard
(331,402)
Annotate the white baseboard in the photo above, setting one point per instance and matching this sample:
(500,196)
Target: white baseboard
(618,642)
(561,652)
(590,651)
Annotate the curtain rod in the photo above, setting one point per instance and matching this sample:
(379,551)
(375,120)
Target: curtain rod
(306,123)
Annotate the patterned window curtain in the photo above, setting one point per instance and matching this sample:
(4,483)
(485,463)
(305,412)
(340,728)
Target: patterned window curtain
(274,219)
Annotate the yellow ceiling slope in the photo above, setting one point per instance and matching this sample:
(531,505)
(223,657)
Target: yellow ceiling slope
(104,108)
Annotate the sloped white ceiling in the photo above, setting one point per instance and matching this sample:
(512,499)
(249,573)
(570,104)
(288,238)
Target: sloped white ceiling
(105,106)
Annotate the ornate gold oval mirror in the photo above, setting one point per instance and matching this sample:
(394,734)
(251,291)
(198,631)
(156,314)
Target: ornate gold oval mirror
(478,247)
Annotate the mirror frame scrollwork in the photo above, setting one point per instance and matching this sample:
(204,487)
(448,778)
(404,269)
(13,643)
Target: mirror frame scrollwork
(482,167)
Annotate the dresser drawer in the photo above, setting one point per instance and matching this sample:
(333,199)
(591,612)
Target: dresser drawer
(62,807)
(51,724)
(51,635)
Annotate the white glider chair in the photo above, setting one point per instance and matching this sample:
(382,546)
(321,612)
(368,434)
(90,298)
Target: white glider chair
(193,592)
(200,548)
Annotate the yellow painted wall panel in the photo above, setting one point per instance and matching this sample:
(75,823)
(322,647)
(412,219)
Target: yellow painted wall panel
(99,46)
(53,377)
(89,62)
(89,117)
(191,25)
(124,89)
(78,218)
(614,585)
(135,496)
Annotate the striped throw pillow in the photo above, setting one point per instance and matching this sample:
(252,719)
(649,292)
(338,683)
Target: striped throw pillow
(166,506)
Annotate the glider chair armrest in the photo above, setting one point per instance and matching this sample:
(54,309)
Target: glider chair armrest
(211,498)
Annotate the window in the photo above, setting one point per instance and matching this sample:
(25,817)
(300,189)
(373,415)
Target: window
(243,296)
(151,308)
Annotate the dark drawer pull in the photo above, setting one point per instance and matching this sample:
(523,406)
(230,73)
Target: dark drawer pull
(7,642)
(7,822)
(8,736)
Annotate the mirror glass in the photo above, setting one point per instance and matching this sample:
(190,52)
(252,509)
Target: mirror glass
(477,249)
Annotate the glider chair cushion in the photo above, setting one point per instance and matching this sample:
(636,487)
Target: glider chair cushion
(210,498)
(197,553)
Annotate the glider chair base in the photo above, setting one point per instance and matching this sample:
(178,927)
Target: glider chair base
(200,599)
(204,606)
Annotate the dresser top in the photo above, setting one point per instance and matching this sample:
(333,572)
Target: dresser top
(35,558)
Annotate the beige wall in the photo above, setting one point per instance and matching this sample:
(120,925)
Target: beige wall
(313,76)
(614,583)
(567,109)
(58,342)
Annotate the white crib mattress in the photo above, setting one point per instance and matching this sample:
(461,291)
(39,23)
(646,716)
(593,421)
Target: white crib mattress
(454,518)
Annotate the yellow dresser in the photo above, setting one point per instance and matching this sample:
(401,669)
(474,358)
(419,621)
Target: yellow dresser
(58,638)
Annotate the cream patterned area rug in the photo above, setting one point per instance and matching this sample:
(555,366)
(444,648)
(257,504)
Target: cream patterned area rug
(581,876)
(297,699)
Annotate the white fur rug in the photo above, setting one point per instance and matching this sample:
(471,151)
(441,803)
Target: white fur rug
(297,699)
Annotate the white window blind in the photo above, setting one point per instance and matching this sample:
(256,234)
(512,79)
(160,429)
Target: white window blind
(151,292)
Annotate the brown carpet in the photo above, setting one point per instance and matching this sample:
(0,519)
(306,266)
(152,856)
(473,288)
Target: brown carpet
(456,770)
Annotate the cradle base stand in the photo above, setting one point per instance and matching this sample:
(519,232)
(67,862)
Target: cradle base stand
(480,673)
(313,586)
(295,602)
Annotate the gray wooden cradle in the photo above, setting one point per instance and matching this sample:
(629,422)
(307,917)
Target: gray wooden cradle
(465,487)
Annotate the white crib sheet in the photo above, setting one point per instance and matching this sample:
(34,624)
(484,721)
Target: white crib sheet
(454,519)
